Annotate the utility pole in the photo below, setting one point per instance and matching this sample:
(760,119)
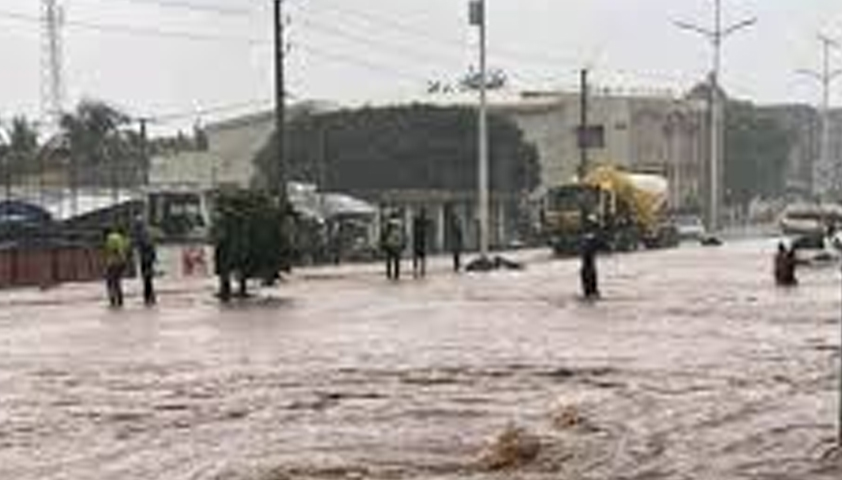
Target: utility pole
(52,73)
(144,152)
(583,125)
(478,19)
(716,36)
(824,172)
(278,181)
(7,174)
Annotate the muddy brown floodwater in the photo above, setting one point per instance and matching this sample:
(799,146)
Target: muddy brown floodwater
(693,367)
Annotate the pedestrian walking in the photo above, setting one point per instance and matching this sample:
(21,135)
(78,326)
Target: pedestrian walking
(393,244)
(148,256)
(419,245)
(589,276)
(116,258)
(456,242)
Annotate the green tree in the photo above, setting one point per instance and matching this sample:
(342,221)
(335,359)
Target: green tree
(21,149)
(416,147)
(251,236)
(757,149)
(102,151)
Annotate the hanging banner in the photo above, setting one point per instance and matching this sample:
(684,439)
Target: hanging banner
(477,12)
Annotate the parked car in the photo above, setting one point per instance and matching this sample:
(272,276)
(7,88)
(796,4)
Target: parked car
(815,249)
(690,227)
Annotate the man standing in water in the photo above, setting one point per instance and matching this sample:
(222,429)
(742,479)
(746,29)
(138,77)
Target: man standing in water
(456,242)
(116,256)
(590,280)
(419,245)
(785,262)
(393,245)
(148,257)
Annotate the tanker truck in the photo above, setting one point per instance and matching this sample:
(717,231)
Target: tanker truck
(626,210)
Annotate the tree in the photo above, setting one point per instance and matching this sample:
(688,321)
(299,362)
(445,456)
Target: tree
(414,147)
(251,235)
(101,150)
(21,148)
(18,151)
(757,149)
(23,144)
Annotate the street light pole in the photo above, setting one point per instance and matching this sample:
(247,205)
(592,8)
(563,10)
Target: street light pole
(278,181)
(478,19)
(716,36)
(825,77)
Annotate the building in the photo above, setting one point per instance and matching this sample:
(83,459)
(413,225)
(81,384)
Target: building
(804,123)
(807,175)
(232,146)
(835,151)
(652,132)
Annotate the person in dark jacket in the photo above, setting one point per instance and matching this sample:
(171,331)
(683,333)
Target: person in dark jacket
(393,243)
(419,244)
(148,256)
(785,263)
(589,276)
(223,263)
(456,242)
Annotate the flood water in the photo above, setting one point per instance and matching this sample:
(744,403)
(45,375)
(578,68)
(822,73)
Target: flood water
(695,366)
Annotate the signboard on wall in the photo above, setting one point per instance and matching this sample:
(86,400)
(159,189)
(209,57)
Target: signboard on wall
(592,136)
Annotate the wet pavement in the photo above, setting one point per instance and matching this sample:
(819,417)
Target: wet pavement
(693,367)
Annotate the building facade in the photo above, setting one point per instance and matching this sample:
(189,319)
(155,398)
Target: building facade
(228,160)
(654,133)
(804,124)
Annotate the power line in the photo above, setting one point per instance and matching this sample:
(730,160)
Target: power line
(359,62)
(133,30)
(409,29)
(517,56)
(185,6)
(201,112)
(155,32)
(400,50)
(195,6)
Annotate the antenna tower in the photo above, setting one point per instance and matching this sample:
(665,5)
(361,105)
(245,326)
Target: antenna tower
(52,75)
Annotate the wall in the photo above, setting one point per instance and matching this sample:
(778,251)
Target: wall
(659,134)
(232,146)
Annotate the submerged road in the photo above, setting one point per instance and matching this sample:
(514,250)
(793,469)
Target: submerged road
(695,366)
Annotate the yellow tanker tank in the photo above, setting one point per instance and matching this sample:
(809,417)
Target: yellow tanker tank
(628,209)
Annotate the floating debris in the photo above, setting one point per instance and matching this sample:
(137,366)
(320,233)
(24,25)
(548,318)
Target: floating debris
(514,447)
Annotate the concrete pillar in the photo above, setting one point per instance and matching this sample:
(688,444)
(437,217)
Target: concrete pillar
(377,227)
(501,224)
(409,214)
(440,228)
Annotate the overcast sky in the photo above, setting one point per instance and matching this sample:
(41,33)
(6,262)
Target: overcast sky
(156,59)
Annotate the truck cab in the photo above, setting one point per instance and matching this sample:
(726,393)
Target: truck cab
(626,210)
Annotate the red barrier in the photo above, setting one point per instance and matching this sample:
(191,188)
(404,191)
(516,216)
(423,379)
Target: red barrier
(7,268)
(34,268)
(45,267)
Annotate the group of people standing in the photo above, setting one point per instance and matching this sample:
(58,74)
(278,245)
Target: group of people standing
(119,253)
(393,243)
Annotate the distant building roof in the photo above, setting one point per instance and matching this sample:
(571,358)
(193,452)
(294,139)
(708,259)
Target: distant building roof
(63,205)
(18,211)
(309,202)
